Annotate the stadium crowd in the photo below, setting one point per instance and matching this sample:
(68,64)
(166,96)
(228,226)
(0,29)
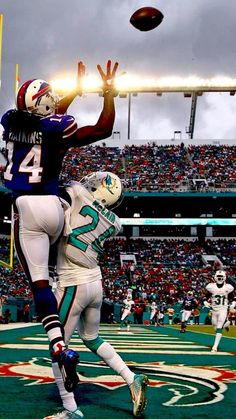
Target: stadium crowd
(151,167)
(163,270)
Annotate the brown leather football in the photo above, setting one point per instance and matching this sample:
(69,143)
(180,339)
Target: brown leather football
(146,18)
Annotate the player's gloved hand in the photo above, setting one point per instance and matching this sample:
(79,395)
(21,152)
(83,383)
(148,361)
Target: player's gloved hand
(207,304)
(108,78)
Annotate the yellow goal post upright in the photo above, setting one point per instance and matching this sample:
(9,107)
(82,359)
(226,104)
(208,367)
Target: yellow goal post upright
(10,263)
(1,30)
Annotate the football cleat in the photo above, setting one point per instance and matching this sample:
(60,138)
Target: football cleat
(226,325)
(138,394)
(66,414)
(67,361)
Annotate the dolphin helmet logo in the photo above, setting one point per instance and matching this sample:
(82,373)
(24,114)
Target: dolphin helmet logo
(183,386)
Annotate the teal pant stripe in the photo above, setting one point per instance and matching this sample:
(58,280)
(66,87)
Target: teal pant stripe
(94,344)
(66,303)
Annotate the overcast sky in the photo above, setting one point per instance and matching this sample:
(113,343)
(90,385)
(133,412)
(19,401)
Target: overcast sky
(197,37)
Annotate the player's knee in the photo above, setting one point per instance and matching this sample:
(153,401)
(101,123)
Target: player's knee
(93,344)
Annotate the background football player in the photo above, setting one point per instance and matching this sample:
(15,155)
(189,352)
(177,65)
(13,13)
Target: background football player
(154,313)
(36,141)
(128,303)
(170,313)
(90,222)
(217,298)
(189,303)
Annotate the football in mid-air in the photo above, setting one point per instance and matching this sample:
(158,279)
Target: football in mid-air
(146,18)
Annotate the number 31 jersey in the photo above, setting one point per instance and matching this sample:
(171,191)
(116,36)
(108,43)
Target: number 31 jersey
(219,295)
(91,224)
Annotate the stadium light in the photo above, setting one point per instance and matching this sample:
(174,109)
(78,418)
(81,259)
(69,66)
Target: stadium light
(133,84)
(130,85)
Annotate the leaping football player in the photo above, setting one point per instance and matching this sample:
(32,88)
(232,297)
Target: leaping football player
(89,222)
(37,138)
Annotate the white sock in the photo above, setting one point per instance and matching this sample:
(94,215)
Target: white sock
(111,357)
(217,340)
(68,399)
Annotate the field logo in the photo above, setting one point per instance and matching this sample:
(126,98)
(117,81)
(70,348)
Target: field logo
(183,385)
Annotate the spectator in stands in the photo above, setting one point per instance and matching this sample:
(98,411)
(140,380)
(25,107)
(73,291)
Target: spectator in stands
(196,315)
(170,313)
(7,316)
(138,313)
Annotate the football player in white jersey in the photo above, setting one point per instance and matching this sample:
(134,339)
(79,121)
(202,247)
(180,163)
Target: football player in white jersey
(218,293)
(88,222)
(128,303)
(154,313)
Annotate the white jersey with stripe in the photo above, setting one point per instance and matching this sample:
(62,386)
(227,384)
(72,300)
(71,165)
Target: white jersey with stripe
(219,298)
(128,304)
(90,224)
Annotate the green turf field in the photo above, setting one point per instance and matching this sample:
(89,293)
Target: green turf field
(208,329)
(186,380)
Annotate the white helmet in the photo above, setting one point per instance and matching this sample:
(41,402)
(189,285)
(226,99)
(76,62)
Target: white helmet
(36,96)
(105,187)
(220,277)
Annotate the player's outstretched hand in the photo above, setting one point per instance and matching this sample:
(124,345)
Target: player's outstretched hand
(65,102)
(80,75)
(108,78)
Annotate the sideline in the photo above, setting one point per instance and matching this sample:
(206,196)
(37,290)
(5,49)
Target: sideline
(17,325)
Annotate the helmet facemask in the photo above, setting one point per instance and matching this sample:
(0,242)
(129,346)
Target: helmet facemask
(220,277)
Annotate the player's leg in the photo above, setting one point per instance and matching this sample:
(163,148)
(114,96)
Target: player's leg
(36,218)
(88,331)
(124,317)
(69,313)
(152,317)
(183,321)
(219,320)
(187,317)
(39,223)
